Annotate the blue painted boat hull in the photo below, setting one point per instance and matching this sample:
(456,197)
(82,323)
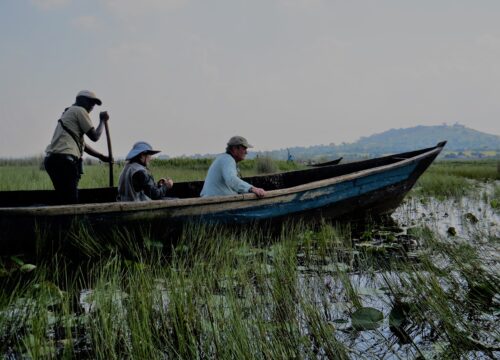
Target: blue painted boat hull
(347,191)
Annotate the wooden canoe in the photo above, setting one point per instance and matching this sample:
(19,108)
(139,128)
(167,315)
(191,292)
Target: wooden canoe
(352,190)
(327,163)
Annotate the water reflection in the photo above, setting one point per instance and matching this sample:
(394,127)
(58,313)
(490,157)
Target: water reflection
(363,277)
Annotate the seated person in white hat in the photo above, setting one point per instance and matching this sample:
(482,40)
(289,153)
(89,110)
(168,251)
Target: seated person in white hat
(63,161)
(136,182)
(222,177)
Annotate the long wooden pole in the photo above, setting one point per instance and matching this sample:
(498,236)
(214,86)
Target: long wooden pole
(110,154)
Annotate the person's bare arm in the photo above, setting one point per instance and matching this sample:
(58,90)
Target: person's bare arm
(95,134)
(95,153)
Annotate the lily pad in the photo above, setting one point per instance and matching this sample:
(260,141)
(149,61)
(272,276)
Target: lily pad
(26,268)
(452,231)
(471,217)
(366,318)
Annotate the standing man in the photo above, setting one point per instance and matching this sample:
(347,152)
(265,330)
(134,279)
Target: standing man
(63,161)
(222,177)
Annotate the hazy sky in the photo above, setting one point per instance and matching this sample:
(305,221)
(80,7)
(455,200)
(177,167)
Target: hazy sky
(186,75)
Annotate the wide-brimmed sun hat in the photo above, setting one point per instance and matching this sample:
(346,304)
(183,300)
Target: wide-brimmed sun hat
(91,95)
(239,140)
(139,148)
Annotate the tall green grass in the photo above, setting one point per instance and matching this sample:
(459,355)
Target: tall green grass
(216,293)
(471,169)
(456,178)
(443,178)
(27,175)
(221,294)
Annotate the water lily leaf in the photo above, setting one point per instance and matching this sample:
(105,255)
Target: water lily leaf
(452,231)
(366,318)
(26,268)
(471,217)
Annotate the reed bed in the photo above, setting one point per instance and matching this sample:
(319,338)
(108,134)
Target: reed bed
(30,175)
(455,179)
(302,293)
(482,170)
(335,291)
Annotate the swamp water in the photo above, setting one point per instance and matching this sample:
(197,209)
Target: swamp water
(409,289)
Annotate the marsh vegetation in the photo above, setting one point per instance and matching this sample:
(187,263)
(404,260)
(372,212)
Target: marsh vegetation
(406,288)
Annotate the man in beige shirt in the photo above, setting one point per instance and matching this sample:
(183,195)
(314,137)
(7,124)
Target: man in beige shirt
(64,153)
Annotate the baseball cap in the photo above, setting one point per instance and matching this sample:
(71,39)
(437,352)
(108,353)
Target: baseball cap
(239,140)
(91,95)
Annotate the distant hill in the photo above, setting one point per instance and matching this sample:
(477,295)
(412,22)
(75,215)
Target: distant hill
(461,141)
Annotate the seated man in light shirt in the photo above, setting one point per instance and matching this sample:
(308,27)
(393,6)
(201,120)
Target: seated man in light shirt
(222,177)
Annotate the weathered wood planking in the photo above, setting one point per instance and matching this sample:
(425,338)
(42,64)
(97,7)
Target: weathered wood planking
(352,190)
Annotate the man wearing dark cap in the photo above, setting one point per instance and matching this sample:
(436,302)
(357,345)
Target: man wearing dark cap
(222,177)
(63,161)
